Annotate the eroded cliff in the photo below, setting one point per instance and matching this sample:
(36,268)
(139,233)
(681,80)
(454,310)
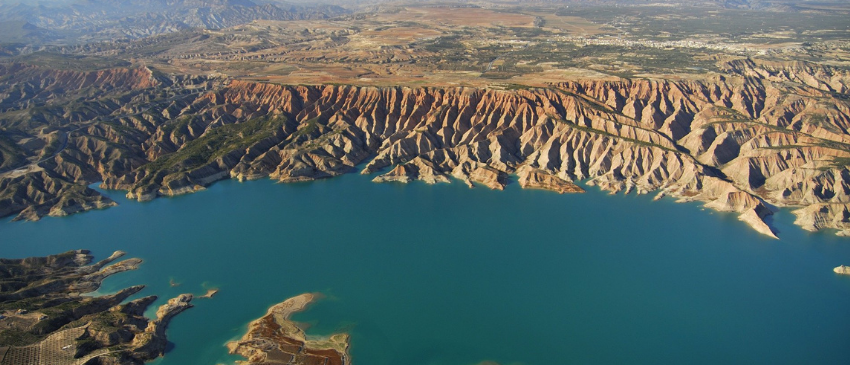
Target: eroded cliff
(738,143)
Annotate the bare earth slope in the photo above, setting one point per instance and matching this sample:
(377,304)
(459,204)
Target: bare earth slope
(738,143)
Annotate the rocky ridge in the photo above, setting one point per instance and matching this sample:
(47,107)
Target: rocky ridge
(739,143)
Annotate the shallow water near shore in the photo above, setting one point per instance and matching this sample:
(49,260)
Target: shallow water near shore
(444,274)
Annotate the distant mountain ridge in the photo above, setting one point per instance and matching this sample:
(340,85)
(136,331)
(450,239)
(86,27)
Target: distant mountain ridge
(92,20)
(21,31)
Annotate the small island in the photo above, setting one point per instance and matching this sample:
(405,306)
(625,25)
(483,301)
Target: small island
(210,293)
(275,339)
(843,269)
(44,319)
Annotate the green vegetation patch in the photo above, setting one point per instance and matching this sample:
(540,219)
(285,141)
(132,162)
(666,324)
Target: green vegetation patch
(512,86)
(17,337)
(445,43)
(675,23)
(307,128)
(840,162)
(604,133)
(177,127)
(835,145)
(214,144)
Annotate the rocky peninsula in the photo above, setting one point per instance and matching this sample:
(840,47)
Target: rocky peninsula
(46,320)
(275,339)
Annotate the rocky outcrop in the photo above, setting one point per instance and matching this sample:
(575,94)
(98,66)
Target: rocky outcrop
(418,169)
(275,339)
(532,178)
(489,177)
(818,216)
(842,270)
(151,343)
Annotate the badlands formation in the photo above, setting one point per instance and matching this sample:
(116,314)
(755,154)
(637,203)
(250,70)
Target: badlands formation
(764,135)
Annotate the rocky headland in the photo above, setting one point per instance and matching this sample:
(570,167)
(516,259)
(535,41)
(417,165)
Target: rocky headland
(46,320)
(745,142)
(275,339)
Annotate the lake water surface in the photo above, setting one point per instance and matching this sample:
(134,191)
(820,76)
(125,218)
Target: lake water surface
(444,274)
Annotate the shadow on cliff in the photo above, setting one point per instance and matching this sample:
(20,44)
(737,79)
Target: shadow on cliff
(769,220)
(512,179)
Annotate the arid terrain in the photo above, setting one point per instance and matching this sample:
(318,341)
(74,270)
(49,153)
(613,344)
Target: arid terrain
(745,115)
(493,45)
(743,105)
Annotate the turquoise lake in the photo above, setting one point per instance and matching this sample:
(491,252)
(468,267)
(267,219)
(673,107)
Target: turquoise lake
(443,274)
